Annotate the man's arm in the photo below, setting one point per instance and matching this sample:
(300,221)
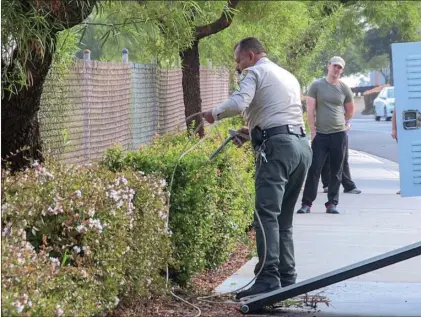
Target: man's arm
(394,126)
(238,102)
(311,112)
(349,110)
(349,104)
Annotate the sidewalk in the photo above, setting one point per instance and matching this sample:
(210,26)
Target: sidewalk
(374,222)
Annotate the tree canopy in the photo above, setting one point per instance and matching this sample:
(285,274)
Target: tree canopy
(299,35)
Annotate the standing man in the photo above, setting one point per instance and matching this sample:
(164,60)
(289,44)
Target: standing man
(347,182)
(269,100)
(328,125)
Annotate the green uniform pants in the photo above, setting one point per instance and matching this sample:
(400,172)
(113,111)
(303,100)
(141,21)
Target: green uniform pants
(278,184)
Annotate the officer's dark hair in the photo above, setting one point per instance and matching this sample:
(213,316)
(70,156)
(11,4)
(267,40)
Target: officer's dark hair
(250,44)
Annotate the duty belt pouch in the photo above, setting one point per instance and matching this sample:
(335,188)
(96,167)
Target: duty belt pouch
(256,137)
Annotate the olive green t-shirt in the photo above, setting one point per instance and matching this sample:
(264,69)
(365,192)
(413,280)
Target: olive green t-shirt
(330,100)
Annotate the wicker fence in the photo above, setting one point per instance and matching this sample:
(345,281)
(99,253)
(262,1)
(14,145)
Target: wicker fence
(97,105)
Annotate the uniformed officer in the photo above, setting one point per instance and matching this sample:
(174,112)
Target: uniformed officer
(269,99)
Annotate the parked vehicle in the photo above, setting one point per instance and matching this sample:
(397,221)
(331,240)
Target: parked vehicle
(384,104)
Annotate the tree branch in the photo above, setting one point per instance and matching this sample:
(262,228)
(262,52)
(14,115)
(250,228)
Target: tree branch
(72,13)
(222,23)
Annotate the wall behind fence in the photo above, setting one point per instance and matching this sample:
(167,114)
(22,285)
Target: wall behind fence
(96,105)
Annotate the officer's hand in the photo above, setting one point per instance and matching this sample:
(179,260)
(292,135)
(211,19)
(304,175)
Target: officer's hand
(209,117)
(239,140)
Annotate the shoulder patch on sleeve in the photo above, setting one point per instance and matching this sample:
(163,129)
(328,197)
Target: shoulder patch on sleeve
(243,74)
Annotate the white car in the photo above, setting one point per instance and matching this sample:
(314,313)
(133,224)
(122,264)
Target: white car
(384,104)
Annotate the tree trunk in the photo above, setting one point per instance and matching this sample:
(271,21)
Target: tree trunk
(191,87)
(19,112)
(19,117)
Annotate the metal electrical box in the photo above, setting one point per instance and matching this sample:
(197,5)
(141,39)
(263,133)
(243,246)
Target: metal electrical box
(406,59)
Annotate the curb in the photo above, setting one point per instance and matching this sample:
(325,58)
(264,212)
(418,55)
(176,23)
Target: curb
(388,164)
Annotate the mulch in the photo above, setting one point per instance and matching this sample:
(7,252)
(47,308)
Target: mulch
(203,284)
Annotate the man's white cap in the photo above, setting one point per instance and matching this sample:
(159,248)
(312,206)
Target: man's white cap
(337,60)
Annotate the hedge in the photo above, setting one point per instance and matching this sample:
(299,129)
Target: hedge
(76,239)
(79,238)
(212,201)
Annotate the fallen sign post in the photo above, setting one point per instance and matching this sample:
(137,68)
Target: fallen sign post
(255,303)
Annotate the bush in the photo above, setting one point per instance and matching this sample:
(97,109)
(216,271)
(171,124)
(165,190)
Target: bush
(212,202)
(75,239)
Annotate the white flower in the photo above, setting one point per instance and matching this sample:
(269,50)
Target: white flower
(78,194)
(19,306)
(76,249)
(4,208)
(54,260)
(91,212)
(116,301)
(81,229)
(162,215)
(84,274)
(95,223)
(59,311)
(6,232)
(124,180)
(163,183)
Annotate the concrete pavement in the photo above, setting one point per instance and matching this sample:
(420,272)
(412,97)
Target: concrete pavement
(374,222)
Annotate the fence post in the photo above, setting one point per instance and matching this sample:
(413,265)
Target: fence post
(125,55)
(86,145)
(86,55)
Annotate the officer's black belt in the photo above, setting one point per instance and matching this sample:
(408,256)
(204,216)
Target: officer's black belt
(284,129)
(258,136)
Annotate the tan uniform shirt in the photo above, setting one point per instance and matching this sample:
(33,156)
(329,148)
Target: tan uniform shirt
(268,96)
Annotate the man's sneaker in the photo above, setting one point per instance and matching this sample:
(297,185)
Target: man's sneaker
(305,209)
(353,191)
(325,190)
(331,209)
(258,288)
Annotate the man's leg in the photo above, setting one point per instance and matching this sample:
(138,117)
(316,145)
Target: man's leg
(320,147)
(326,174)
(270,181)
(347,182)
(292,191)
(337,148)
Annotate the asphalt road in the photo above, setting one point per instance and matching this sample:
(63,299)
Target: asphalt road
(370,136)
